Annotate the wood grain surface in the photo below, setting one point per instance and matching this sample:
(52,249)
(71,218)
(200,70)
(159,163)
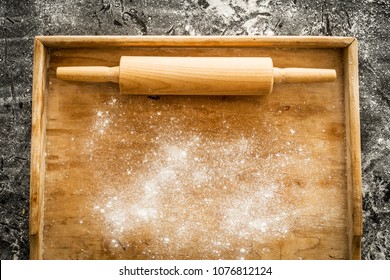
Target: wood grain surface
(123,176)
(38,135)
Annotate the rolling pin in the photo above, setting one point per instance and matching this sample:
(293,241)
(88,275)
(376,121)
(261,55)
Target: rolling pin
(151,75)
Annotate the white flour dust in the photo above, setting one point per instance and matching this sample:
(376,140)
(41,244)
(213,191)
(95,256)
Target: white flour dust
(102,121)
(191,191)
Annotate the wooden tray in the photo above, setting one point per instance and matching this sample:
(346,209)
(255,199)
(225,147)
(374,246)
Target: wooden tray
(137,177)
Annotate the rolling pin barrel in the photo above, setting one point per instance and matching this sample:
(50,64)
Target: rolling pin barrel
(195,75)
(150,75)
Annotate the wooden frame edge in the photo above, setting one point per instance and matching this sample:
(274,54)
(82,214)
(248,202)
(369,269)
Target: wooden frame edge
(354,173)
(194,41)
(38,132)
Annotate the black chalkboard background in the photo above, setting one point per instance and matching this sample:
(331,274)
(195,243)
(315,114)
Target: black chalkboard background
(21,20)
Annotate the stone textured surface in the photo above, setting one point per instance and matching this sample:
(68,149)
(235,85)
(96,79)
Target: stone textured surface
(20,21)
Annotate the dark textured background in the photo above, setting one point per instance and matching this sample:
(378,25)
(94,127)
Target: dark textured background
(20,21)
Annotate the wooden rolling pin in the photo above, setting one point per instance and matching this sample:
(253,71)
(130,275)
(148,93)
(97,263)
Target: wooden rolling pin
(150,75)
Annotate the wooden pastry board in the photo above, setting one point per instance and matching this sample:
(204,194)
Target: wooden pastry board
(184,177)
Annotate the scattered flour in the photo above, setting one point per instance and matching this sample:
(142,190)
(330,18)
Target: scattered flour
(101,122)
(167,188)
(191,191)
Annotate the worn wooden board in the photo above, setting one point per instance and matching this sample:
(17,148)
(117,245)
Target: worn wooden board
(132,177)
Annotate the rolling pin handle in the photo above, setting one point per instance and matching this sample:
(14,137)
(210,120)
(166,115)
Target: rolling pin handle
(303,75)
(100,74)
